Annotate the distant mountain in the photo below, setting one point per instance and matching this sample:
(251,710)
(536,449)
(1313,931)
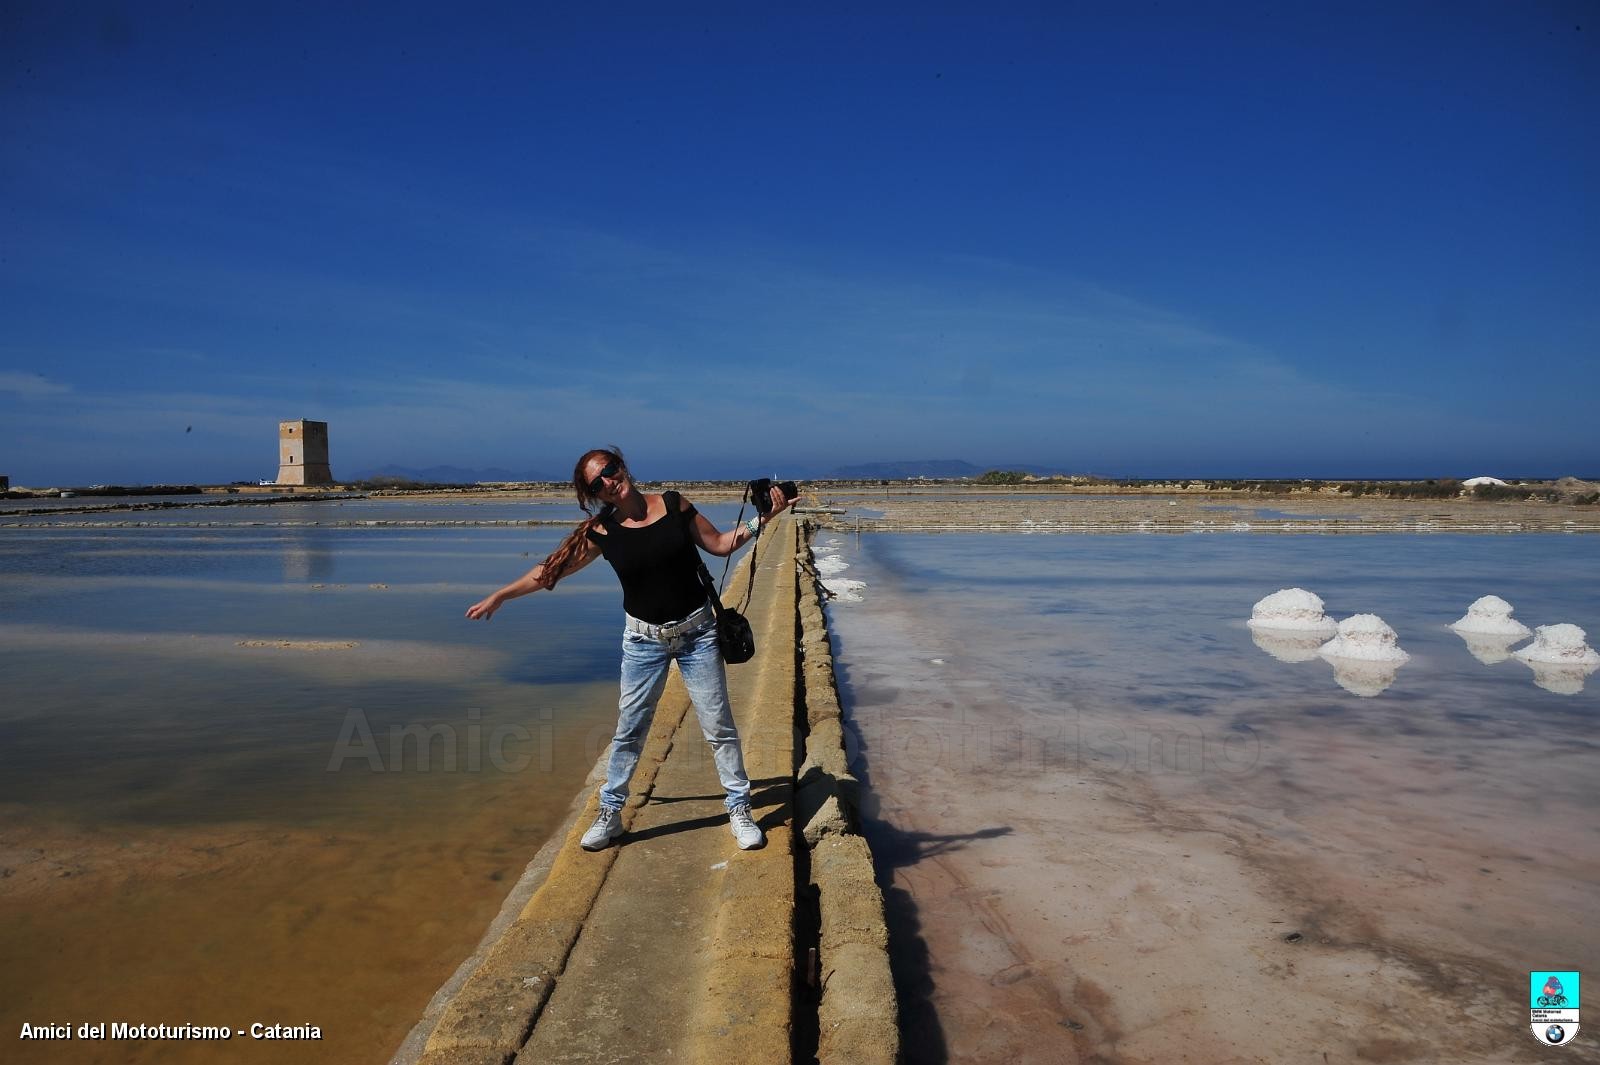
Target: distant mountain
(453,475)
(899,471)
(941,469)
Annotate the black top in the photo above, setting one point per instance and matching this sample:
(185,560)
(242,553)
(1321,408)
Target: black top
(658,564)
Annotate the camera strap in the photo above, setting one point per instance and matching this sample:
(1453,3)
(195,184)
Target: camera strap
(750,586)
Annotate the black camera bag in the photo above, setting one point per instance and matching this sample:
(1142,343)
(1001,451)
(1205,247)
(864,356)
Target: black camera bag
(735,639)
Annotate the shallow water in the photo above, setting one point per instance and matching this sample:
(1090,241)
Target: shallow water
(1440,818)
(1004,495)
(190,510)
(1266,513)
(272,774)
(80,501)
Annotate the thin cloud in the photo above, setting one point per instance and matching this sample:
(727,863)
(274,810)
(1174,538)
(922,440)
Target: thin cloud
(736,345)
(31,385)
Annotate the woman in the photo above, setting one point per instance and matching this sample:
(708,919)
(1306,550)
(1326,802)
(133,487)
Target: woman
(650,541)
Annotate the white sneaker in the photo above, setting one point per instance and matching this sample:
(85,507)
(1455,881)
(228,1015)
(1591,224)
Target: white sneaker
(606,827)
(744,828)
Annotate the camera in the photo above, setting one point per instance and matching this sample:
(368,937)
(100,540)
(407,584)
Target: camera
(760,491)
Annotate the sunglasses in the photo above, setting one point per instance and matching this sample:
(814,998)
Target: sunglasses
(608,470)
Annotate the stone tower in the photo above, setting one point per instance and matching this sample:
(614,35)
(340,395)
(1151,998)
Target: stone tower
(303,453)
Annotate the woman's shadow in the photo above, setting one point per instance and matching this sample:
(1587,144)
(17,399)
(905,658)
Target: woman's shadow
(922,1040)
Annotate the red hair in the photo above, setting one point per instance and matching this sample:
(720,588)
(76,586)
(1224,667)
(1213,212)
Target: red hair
(562,558)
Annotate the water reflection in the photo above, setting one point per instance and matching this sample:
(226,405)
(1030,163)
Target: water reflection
(1489,648)
(1358,676)
(173,745)
(1288,645)
(1364,678)
(1560,658)
(1107,635)
(1560,679)
(307,560)
(1363,650)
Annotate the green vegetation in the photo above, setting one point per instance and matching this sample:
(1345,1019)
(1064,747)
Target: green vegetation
(1279,487)
(1450,488)
(1499,492)
(139,490)
(1443,488)
(1002,477)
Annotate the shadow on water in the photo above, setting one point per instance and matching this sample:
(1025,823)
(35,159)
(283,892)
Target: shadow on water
(922,1036)
(922,1040)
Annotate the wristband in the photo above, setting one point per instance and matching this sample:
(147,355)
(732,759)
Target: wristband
(753,527)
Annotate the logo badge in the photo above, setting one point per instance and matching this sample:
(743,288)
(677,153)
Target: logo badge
(1553,1005)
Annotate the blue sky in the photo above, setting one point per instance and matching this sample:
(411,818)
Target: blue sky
(1122,238)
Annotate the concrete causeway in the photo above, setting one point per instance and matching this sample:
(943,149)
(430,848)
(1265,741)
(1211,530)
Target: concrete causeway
(673,944)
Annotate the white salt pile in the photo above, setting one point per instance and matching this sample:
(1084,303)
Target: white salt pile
(829,563)
(830,566)
(1560,659)
(1560,645)
(1365,638)
(1291,608)
(1490,616)
(1365,655)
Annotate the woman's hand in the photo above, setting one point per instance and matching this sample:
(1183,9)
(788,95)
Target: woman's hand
(530,582)
(485,608)
(780,502)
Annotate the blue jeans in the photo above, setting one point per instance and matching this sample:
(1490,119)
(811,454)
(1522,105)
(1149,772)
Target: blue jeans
(644,674)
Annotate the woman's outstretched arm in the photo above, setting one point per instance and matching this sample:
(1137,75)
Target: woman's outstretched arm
(530,582)
(723,544)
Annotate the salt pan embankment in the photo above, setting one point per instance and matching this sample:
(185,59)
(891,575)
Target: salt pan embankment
(674,945)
